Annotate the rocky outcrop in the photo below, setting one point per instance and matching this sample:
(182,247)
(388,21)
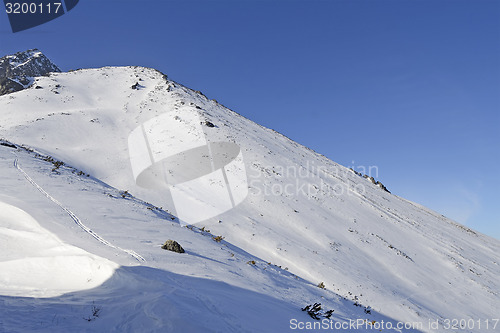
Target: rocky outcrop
(371,179)
(18,70)
(173,246)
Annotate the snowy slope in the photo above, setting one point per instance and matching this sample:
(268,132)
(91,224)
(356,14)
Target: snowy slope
(305,213)
(213,287)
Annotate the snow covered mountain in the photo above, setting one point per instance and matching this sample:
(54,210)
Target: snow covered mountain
(307,221)
(18,70)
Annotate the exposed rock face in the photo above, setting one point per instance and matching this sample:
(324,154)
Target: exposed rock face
(378,183)
(18,70)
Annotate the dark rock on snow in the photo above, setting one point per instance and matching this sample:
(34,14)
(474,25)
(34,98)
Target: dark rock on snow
(173,246)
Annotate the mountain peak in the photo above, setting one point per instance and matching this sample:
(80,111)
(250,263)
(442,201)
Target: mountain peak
(18,70)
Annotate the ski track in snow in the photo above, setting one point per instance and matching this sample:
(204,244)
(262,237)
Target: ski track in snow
(75,218)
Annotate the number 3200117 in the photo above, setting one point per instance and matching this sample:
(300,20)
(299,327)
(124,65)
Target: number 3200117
(32,8)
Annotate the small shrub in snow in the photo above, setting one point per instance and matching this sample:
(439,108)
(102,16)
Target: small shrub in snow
(218,239)
(314,311)
(57,165)
(95,313)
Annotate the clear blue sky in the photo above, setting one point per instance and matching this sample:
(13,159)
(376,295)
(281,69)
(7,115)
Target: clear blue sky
(412,87)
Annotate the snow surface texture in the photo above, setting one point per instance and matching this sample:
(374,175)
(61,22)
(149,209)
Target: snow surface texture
(317,220)
(36,263)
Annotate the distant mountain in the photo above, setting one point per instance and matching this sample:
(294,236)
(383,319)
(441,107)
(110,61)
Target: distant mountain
(18,70)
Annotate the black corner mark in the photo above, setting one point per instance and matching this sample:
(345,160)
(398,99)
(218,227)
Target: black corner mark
(70,4)
(26,14)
